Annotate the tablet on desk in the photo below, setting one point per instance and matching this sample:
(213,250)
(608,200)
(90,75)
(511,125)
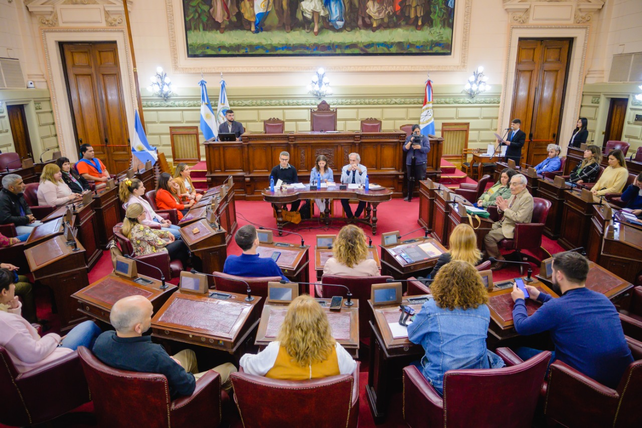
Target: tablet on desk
(390,238)
(265,236)
(227,137)
(194,283)
(388,293)
(282,293)
(487,279)
(125,267)
(325,241)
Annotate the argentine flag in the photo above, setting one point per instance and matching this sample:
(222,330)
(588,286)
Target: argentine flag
(223,105)
(261,10)
(426,122)
(209,127)
(140,146)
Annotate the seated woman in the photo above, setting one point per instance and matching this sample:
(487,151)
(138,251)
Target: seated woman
(501,188)
(452,325)
(186,189)
(24,290)
(588,170)
(167,196)
(613,179)
(149,241)
(26,348)
(552,162)
(76,182)
(6,241)
(633,196)
(350,255)
(321,169)
(462,246)
(304,348)
(52,190)
(131,191)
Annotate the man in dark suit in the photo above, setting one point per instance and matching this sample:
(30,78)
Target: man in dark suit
(231,126)
(515,141)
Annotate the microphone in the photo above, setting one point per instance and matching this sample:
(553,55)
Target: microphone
(573,250)
(286,231)
(369,240)
(348,302)
(49,149)
(423,281)
(530,270)
(413,231)
(248,290)
(162,277)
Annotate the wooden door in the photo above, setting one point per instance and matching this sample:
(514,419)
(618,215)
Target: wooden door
(539,90)
(96,96)
(20,131)
(615,120)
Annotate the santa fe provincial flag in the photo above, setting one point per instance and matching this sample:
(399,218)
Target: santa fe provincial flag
(426,122)
(223,105)
(209,127)
(140,146)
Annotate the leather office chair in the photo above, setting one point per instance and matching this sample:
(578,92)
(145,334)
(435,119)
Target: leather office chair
(616,145)
(9,161)
(638,155)
(170,268)
(171,215)
(15,255)
(371,125)
(360,287)
(323,118)
(407,128)
(462,404)
(31,197)
(231,283)
(42,394)
(573,399)
(130,399)
(329,402)
(416,287)
(528,236)
(273,126)
(631,315)
(614,198)
(552,174)
(472,192)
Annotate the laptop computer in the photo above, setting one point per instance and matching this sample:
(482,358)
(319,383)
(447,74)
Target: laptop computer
(227,137)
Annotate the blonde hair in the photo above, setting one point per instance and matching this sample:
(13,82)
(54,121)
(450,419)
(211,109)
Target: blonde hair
(463,244)
(305,333)
(48,173)
(131,218)
(127,187)
(458,285)
(350,246)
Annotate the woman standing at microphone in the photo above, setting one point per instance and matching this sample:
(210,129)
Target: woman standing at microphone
(580,134)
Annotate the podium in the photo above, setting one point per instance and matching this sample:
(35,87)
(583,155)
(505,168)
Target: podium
(85,221)
(293,261)
(621,250)
(107,208)
(223,324)
(194,214)
(44,232)
(321,255)
(344,324)
(442,209)
(395,265)
(426,204)
(576,218)
(208,244)
(549,190)
(57,213)
(56,265)
(97,299)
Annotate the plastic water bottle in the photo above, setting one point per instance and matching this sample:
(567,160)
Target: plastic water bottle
(318,179)
(271,184)
(367,185)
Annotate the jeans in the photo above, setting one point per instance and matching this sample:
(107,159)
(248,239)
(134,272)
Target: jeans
(22,230)
(172,228)
(23,237)
(84,334)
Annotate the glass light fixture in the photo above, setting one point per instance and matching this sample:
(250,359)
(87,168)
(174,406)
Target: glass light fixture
(639,96)
(161,85)
(476,83)
(319,85)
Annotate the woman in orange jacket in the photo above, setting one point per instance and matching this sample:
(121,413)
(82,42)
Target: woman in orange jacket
(167,196)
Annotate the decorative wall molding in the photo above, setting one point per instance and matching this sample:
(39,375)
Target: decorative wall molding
(595,100)
(546,11)
(78,12)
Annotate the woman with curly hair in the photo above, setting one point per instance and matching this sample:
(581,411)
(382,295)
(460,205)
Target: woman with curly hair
(453,324)
(304,348)
(350,255)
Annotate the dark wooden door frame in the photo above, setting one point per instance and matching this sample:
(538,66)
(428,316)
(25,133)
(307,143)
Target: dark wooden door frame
(18,119)
(613,105)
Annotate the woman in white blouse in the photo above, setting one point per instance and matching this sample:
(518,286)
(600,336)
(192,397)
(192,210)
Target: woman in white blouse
(52,190)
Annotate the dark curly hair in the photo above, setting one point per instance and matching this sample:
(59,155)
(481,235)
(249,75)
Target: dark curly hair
(458,285)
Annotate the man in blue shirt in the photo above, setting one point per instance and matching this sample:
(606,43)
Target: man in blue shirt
(249,263)
(583,324)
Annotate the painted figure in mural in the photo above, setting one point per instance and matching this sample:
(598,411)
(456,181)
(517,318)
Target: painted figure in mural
(356,15)
(380,11)
(414,10)
(222,11)
(283,13)
(313,10)
(336,13)
(247,10)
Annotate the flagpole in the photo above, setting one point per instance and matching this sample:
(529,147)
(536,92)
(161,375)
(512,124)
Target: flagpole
(135,70)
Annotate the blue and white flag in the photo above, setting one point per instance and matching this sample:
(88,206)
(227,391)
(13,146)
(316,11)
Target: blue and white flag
(223,105)
(261,10)
(140,146)
(426,122)
(209,127)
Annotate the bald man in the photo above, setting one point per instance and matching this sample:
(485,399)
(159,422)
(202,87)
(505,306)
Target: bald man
(127,349)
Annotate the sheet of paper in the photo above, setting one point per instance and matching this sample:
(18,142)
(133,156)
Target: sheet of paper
(430,249)
(499,137)
(375,187)
(475,210)
(353,186)
(398,331)
(490,149)
(278,184)
(298,185)
(504,150)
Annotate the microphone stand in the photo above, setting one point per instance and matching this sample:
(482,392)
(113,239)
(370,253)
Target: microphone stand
(501,143)
(162,277)
(248,290)
(413,231)
(529,272)
(348,301)
(286,231)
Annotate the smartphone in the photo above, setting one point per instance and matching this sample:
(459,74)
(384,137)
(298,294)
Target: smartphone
(520,284)
(276,255)
(335,303)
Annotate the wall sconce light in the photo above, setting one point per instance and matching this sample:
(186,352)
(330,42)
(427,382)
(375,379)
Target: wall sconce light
(160,86)
(476,83)
(639,96)
(320,85)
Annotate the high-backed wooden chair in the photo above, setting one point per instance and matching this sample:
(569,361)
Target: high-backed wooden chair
(171,215)
(616,145)
(31,197)
(323,118)
(472,192)
(236,284)
(9,161)
(371,125)
(407,128)
(273,126)
(638,155)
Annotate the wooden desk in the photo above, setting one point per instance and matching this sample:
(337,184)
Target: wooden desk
(44,232)
(459,215)
(576,217)
(480,159)
(147,177)
(63,270)
(107,208)
(252,160)
(57,213)
(427,204)
(28,175)
(321,255)
(344,324)
(85,221)
(442,209)
(622,251)
(395,265)
(388,357)
(548,190)
(208,244)
(201,320)
(575,156)
(294,260)
(97,299)
(286,196)
(600,222)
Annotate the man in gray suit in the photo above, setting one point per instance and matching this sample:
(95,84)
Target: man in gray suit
(353,173)
(231,126)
